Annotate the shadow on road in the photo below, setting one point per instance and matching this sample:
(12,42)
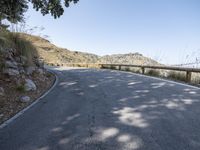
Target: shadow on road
(119,111)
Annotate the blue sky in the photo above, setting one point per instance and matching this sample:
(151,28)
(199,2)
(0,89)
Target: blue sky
(165,30)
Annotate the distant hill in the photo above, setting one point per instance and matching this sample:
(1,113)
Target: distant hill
(55,55)
(131,58)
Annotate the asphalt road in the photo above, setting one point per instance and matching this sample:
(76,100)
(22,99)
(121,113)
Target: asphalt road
(108,110)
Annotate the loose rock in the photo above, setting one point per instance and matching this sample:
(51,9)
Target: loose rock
(11,72)
(40,71)
(25,99)
(2,91)
(29,85)
(1,115)
(11,64)
(23,59)
(30,70)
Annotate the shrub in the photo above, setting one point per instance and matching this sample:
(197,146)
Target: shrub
(18,42)
(113,67)
(153,72)
(48,75)
(24,47)
(127,69)
(20,88)
(136,71)
(177,76)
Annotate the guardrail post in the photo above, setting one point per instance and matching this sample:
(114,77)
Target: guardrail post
(188,76)
(100,66)
(119,67)
(143,70)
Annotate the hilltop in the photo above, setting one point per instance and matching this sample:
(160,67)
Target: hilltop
(52,54)
(131,58)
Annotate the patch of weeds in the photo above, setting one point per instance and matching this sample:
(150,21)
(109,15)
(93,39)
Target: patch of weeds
(127,69)
(20,88)
(177,76)
(153,72)
(2,66)
(137,71)
(113,67)
(48,75)
(196,78)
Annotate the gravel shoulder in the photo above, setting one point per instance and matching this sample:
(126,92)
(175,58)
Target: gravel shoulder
(10,103)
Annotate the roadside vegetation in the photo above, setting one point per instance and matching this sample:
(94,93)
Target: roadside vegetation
(172,75)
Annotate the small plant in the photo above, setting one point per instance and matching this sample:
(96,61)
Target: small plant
(2,65)
(137,71)
(25,47)
(20,88)
(48,75)
(177,76)
(113,67)
(153,72)
(127,69)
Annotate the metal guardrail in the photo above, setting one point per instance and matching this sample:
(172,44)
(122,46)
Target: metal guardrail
(188,71)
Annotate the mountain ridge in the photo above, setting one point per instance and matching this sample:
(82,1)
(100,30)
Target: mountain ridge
(51,54)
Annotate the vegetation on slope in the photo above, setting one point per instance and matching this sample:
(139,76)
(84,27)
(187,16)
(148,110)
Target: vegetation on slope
(58,56)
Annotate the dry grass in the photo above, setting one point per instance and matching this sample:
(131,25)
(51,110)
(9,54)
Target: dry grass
(153,72)
(54,55)
(177,75)
(16,41)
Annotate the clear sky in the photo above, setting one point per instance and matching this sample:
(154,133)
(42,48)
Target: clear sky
(166,30)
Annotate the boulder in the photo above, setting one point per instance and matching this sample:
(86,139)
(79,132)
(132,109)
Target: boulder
(11,64)
(23,59)
(21,70)
(18,59)
(29,85)
(40,71)
(1,115)
(39,63)
(11,72)
(25,99)
(8,55)
(2,92)
(30,70)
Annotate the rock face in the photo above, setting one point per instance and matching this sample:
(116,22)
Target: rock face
(25,99)
(2,91)
(11,64)
(11,72)
(29,85)
(30,70)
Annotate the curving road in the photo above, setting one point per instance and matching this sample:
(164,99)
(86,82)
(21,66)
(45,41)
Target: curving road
(108,110)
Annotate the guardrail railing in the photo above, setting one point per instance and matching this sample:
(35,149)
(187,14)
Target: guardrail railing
(188,71)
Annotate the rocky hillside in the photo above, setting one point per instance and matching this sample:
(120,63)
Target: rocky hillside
(131,58)
(23,77)
(52,54)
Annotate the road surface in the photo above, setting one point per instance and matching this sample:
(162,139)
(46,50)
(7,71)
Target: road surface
(108,110)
